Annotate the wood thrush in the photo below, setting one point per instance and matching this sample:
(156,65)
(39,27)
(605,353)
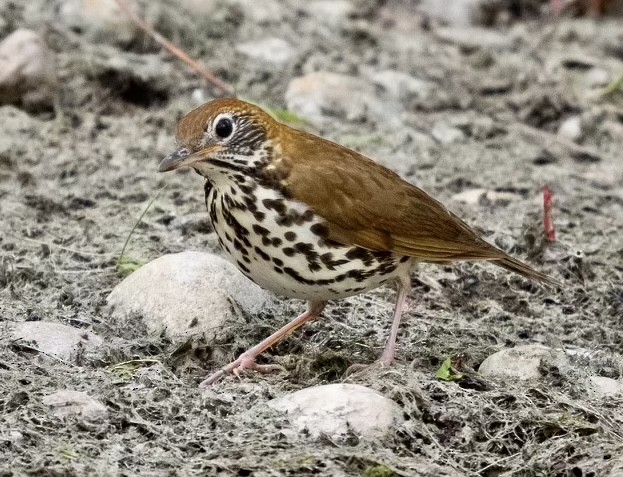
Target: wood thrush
(310,219)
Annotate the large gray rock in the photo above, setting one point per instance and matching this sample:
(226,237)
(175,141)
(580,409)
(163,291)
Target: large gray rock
(601,386)
(27,70)
(75,403)
(336,409)
(522,362)
(99,20)
(400,85)
(186,295)
(320,94)
(54,339)
(274,51)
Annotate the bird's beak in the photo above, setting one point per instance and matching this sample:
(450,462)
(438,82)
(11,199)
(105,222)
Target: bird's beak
(183,158)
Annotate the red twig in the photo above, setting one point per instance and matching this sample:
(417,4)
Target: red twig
(548,221)
(147,28)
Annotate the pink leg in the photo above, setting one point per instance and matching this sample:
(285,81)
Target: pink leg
(247,359)
(390,347)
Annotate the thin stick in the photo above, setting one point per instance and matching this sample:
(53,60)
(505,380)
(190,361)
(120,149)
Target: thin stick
(162,41)
(127,240)
(548,221)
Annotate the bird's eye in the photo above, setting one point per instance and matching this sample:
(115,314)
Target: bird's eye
(224,127)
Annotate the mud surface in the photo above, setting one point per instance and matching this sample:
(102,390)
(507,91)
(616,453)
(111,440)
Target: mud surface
(74,181)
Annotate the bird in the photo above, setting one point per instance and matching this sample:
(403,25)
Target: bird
(307,218)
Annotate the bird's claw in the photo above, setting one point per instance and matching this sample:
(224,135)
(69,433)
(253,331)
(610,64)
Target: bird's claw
(359,367)
(239,366)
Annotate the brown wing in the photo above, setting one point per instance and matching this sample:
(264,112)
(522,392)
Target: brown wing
(367,205)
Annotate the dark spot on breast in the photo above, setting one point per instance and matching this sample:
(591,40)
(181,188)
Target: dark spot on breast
(258,229)
(278,270)
(242,267)
(386,268)
(360,275)
(314,266)
(320,229)
(276,242)
(357,253)
(304,248)
(290,236)
(247,189)
(288,251)
(259,216)
(329,262)
(297,276)
(238,246)
(262,254)
(284,221)
(275,204)
(278,261)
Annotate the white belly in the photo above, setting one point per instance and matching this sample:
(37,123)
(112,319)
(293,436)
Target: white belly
(286,257)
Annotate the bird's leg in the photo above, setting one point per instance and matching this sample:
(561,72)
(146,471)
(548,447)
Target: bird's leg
(387,357)
(390,347)
(247,359)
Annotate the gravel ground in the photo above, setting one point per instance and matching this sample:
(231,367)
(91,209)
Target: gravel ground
(482,120)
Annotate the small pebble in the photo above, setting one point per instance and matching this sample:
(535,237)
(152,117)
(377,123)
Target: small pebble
(54,339)
(336,409)
(522,362)
(27,71)
(75,403)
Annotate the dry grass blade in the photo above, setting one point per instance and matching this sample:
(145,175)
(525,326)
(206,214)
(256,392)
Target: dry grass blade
(147,28)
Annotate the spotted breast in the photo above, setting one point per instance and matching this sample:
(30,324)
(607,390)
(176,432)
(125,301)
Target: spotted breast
(281,244)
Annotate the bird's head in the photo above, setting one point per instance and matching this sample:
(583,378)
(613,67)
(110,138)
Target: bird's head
(219,133)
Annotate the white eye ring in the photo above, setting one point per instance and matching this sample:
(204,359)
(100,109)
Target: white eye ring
(223,127)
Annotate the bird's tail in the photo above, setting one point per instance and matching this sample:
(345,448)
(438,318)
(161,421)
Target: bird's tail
(514,265)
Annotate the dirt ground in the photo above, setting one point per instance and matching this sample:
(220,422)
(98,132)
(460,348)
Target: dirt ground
(74,181)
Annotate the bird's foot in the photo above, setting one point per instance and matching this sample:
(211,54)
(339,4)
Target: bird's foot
(382,362)
(237,367)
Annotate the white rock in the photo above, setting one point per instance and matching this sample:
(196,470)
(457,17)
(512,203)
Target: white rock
(571,128)
(336,409)
(186,294)
(600,386)
(446,134)
(275,51)
(321,93)
(75,403)
(401,85)
(99,20)
(477,195)
(27,71)
(475,38)
(597,78)
(455,13)
(333,12)
(54,339)
(469,196)
(521,362)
